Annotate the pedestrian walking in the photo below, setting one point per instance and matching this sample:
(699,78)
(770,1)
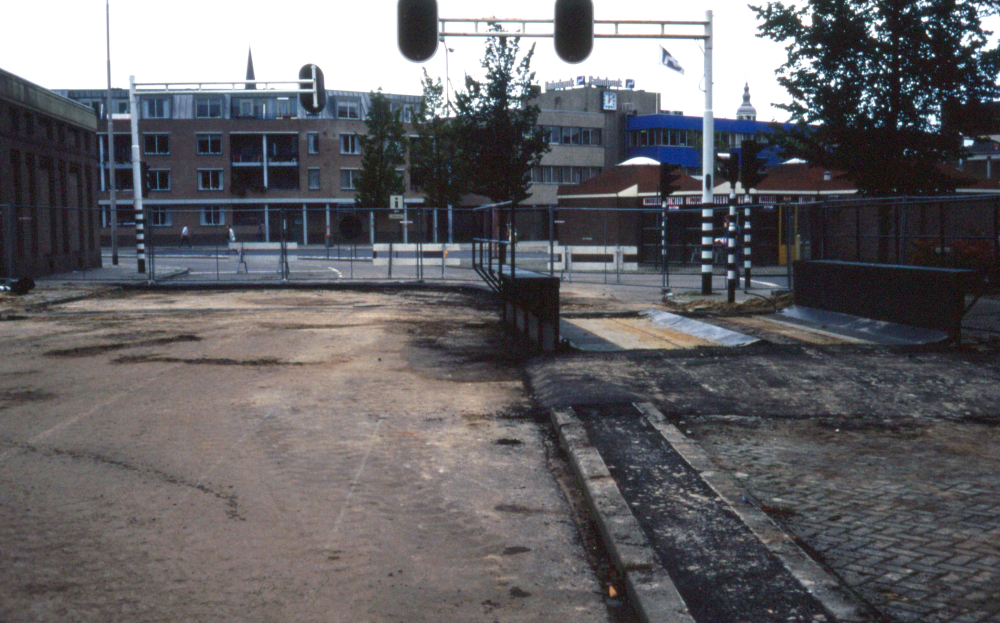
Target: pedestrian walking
(185,237)
(260,232)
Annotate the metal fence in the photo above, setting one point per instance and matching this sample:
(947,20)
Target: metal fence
(649,247)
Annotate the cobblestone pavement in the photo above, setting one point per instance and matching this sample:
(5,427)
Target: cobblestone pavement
(907,513)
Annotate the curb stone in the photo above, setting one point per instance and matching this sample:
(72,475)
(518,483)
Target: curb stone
(841,603)
(652,592)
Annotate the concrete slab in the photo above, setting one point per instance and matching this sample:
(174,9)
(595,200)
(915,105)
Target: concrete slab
(653,330)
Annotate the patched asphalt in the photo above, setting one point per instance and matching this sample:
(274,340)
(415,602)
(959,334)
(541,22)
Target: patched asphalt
(723,572)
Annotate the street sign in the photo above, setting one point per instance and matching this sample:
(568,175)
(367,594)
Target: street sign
(396,216)
(396,202)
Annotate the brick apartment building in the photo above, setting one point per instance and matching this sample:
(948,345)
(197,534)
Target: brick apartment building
(237,160)
(48,189)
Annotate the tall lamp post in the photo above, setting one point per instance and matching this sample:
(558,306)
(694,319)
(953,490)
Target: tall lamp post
(111,148)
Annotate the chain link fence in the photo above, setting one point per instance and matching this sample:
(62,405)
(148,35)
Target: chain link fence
(632,247)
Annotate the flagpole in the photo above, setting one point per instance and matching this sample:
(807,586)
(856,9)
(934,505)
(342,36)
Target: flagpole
(111,147)
(707,165)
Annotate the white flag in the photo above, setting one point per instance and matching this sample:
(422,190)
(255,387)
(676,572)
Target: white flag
(669,61)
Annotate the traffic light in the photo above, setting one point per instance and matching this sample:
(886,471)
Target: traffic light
(146,178)
(669,173)
(573,29)
(315,100)
(751,165)
(728,167)
(417,29)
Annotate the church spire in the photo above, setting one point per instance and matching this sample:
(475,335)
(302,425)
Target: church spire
(250,75)
(746,111)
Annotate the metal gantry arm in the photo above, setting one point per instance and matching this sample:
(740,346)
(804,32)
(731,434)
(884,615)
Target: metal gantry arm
(523,23)
(286,87)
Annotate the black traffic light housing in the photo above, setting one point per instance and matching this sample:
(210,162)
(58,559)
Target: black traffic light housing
(417,29)
(573,29)
(315,100)
(728,167)
(751,165)
(669,173)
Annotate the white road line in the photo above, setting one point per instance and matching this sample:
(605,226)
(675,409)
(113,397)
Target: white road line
(354,484)
(766,283)
(340,275)
(76,418)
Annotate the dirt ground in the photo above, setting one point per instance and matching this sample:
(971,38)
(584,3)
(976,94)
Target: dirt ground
(278,456)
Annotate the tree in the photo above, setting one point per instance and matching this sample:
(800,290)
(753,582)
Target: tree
(383,150)
(879,80)
(496,121)
(435,153)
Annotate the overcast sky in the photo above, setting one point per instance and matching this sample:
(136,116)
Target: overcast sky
(61,44)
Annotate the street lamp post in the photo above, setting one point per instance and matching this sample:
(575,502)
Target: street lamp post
(111,148)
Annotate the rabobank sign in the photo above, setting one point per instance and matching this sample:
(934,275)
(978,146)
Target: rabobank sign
(591,81)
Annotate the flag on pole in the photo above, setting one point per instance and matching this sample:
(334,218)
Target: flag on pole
(669,61)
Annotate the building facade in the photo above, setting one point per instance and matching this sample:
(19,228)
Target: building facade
(586,129)
(48,186)
(239,159)
(675,138)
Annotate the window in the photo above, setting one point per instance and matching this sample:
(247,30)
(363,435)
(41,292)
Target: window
(313,179)
(246,108)
(349,144)
(159,179)
(284,107)
(405,111)
(122,107)
(209,143)
(212,215)
(348,109)
(209,179)
(313,139)
(15,120)
(157,144)
(160,217)
(156,108)
(349,179)
(562,175)
(208,107)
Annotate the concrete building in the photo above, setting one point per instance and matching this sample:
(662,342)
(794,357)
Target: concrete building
(48,173)
(676,138)
(586,128)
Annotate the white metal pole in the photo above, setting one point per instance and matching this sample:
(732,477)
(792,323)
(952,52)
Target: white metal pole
(140,233)
(305,226)
(707,165)
(451,238)
(111,149)
(267,224)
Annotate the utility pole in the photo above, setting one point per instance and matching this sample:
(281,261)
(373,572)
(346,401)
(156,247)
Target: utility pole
(707,165)
(111,147)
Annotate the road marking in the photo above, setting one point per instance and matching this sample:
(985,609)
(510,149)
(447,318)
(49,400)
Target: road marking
(73,420)
(340,275)
(354,484)
(766,283)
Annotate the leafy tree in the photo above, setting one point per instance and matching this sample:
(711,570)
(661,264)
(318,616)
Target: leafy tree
(496,122)
(383,150)
(435,154)
(881,80)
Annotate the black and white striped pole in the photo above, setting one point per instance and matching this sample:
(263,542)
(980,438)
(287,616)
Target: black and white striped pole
(731,279)
(137,181)
(747,259)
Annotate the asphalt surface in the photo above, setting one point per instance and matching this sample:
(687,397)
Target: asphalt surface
(722,571)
